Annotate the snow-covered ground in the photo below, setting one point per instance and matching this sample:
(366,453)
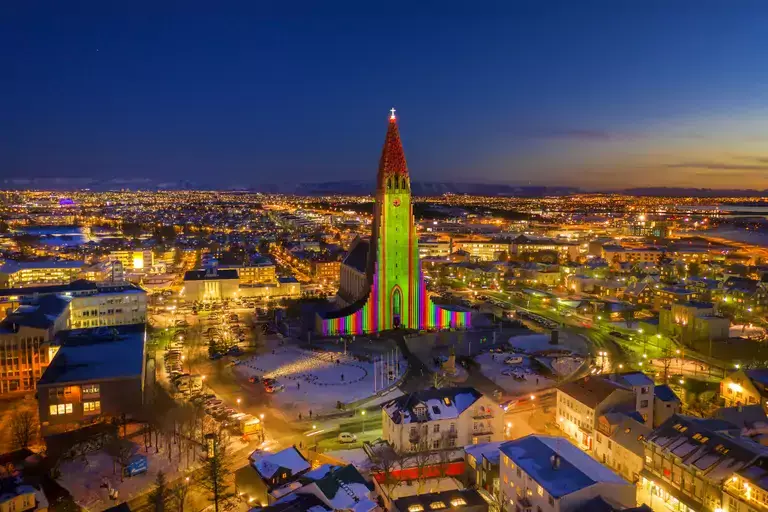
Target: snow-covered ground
(746,331)
(355,456)
(84,477)
(527,376)
(515,379)
(533,343)
(318,380)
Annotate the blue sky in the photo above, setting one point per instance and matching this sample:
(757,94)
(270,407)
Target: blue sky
(598,94)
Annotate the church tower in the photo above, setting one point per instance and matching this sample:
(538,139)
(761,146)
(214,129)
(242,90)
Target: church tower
(394,244)
(394,293)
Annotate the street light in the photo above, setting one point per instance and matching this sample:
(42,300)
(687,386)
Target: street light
(362,413)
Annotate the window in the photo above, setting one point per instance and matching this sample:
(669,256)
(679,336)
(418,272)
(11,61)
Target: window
(643,403)
(415,508)
(540,490)
(56,410)
(551,501)
(436,429)
(90,389)
(458,502)
(435,444)
(437,505)
(92,407)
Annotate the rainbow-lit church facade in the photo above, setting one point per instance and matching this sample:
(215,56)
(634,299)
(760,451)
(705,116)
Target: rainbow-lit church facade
(382,285)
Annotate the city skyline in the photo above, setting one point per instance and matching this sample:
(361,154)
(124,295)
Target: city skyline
(594,96)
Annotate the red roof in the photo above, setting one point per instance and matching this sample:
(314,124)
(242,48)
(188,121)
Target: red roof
(392,155)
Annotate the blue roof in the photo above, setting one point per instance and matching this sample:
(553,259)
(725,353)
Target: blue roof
(98,354)
(488,450)
(665,393)
(577,470)
(759,375)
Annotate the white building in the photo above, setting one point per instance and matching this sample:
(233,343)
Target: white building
(545,473)
(124,304)
(441,418)
(620,444)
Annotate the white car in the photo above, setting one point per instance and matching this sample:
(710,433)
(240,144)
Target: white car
(346,437)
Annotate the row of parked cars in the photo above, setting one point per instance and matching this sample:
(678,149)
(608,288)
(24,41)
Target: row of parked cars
(270,385)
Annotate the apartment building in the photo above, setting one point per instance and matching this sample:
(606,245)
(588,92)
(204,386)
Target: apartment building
(581,402)
(325,270)
(111,305)
(26,348)
(96,374)
(529,245)
(134,259)
(545,473)
(693,464)
(619,444)
(441,418)
(22,274)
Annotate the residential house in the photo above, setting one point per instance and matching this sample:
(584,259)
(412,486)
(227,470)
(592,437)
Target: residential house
(551,473)
(441,418)
(619,443)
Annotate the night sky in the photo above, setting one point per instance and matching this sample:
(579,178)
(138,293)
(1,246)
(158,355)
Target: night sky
(592,94)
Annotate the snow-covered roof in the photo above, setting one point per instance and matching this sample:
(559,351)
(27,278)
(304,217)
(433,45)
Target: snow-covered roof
(268,464)
(431,405)
(488,450)
(576,470)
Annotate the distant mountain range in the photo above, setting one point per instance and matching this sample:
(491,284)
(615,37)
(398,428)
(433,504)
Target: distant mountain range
(355,187)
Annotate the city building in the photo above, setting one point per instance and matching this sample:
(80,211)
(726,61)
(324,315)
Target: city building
(550,473)
(745,387)
(619,444)
(210,284)
(327,270)
(486,250)
(465,500)
(21,274)
(534,247)
(693,322)
(441,418)
(665,404)
(25,342)
(134,259)
(111,305)
(430,247)
(95,375)
(17,495)
(580,403)
(482,466)
(108,271)
(258,270)
(268,471)
(695,464)
(394,294)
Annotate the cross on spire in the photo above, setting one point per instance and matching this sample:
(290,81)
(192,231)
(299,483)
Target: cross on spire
(392,114)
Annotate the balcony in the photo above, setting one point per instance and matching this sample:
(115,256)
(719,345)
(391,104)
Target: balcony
(482,431)
(482,415)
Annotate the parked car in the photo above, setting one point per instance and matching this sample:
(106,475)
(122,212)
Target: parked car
(346,437)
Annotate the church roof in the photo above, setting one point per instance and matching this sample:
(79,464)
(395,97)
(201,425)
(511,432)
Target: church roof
(357,258)
(392,155)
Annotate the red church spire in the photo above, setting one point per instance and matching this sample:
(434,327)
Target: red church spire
(392,155)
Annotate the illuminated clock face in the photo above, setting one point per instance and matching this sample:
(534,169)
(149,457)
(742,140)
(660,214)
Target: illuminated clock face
(396,202)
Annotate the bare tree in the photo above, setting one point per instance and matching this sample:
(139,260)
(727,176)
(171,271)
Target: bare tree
(158,497)
(179,493)
(386,463)
(23,428)
(120,450)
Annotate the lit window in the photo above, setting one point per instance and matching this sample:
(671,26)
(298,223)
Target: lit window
(458,502)
(415,508)
(53,410)
(540,490)
(437,505)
